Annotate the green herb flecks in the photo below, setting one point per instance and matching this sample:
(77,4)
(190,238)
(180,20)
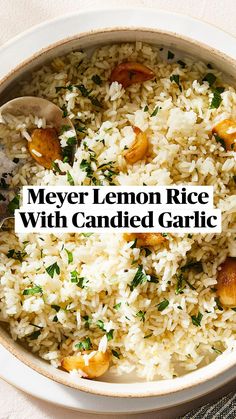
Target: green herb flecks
(69,256)
(170,55)
(56,168)
(218,305)
(14,204)
(85,166)
(100,324)
(210,78)
(109,335)
(162,305)
(217,351)
(97,79)
(220,140)
(84,345)
(175,78)
(34,335)
(148,336)
(74,277)
(87,321)
(16,254)
(216,100)
(70,179)
(139,278)
(147,251)
(33,290)
(52,269)
(181,63)
(196,320)
(133,246)
(56,307)
(115,353)
(117,306)
(154,113)
(192,265)
(141,315)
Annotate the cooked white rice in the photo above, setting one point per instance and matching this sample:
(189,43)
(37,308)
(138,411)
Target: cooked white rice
(151,342)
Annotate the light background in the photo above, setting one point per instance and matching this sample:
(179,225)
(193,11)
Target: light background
(19,15)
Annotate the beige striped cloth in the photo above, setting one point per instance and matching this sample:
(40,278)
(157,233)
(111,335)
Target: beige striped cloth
(225,408)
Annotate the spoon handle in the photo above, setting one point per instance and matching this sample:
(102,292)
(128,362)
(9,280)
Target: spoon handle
(5,213)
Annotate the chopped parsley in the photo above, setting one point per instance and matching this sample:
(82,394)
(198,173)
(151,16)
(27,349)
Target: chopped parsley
(216,350)
(170,55)
(14,204)
(56,307)
(34,290)
(87,321)
(64,128)
(145,108)
(175,78)
(100,324)
(216,100)
(80,283)
(2,197)
(69,255)
(16,254)
(74,276)
(153,279)
(85,166)
(139,278)
(117,306)
(86,234)
(84,345)
(218,305)
(141,315)
(147,251)
(64,111)
(192,265)
(97,80)
(56,168)
(70,179)
(115,353)
(148,336)
(52,269)
(109,335)
(180,284)
(87,93)
(133,246)
(71,141)
(181,63)
(154,113)
(210,78)
(162,305)
(34,335)
(220,140)
(196,320)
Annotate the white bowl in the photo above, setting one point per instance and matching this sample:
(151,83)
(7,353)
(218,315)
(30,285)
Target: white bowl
(106,32)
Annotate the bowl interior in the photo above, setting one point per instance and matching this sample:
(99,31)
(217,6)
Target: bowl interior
(124,386)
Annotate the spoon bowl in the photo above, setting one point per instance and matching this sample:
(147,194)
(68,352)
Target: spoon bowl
(42,108)
(37,106)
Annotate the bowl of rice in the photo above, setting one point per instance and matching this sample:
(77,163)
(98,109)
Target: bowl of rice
(130,315)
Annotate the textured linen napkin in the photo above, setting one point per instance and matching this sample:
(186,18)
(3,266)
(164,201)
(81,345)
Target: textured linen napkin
(17,16)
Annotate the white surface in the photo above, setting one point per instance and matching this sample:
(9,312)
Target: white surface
(23,377)
(18,15)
